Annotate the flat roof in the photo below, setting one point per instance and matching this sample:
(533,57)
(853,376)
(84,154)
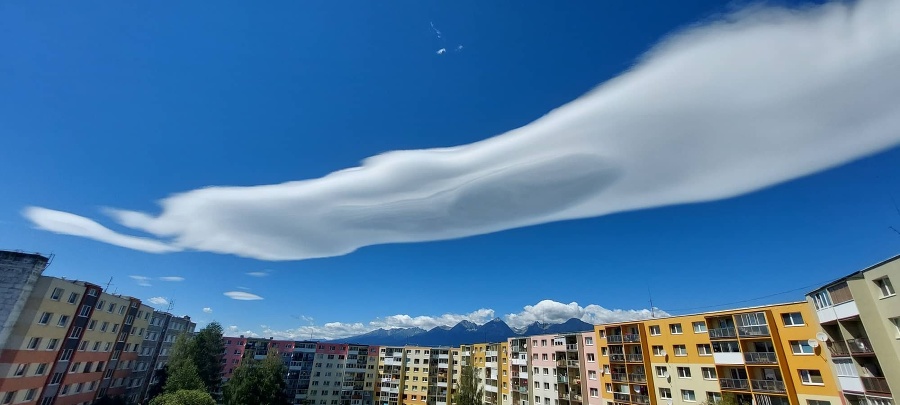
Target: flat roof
(879,264)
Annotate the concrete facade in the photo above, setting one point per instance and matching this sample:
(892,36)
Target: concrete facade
(18,274)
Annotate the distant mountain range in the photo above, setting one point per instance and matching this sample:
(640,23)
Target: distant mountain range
(464,332)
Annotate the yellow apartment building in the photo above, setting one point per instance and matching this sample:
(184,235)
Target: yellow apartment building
(762,355)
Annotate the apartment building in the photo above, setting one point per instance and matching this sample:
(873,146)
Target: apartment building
(440,376)
(19,272)
(760,355)
(860,317)
(344,374)
(133,358)
(516,393)
(545,380)
(390,374)
(414,379)
(162,330)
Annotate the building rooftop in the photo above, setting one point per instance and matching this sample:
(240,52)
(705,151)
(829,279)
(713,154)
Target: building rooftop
(855,273)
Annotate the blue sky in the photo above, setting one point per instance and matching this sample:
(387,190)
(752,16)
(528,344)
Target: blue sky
(122,105)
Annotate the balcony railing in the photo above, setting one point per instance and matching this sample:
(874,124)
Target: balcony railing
(617,358)
(562,379)
(634,358)
(734,384)
(838,349)
(767,386)
(631,338)
(614,339)
(640,399)
(573,364)
(572,347)
(760,358)
(639,378)
(752,331)
(618,396)
(860,346)
(621,377)
(875,384)
(722,333)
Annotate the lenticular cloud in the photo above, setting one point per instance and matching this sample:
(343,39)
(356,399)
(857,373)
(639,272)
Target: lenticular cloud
(763,97)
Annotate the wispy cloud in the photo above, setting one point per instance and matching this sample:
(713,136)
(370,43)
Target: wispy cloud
(142,281)
(441,51)
(437,32)
(207,310)
(159,301)
(242,296)
(547,311)
(263,273)
(763,97)
(172,278)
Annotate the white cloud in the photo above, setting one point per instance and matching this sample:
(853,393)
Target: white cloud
(547,311)
(207,310)
(263,273)
(242,296)
(142,281)
(172,278)
(441,51)
(764,97)
(159,301)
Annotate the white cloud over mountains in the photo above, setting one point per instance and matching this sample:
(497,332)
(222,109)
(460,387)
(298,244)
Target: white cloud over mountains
(763,97)
(547,311)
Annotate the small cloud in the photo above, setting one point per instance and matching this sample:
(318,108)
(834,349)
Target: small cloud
(159,301)
(441,51)
(172,278)
(242,296)
(436,31)
(243,288)
(142,281)
(263,273)
(207,310)
(459,48)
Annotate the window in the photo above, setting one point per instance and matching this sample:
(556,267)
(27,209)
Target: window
(659,351)
(57,377)
(21,370)
(654,330)
(84,344)
(699,327)
(811,377)
(821,299)
(608,387)
(112,307)
(675,328)
(801,347)
(75,367)
(709,373)
(845,368)
(704,350)
(792,319)
(103,326)
(896,322)
(680,350)
(67,354)
(41,368)
(85,310)
(592,374)
(63,320)
(590,358)
(100,305)
(33,343)
(51,344)
(688,396)
(713,397)
(73,298)
(46,317)
(604,351)
(29,395)
(662,371)
(56,294)
(595,392)
(588,341)
(8,397)
(684,372)
(76,333)
(817,402)
(665,393)
(884,285)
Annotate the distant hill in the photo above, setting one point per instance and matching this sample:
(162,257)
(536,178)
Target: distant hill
(462,333)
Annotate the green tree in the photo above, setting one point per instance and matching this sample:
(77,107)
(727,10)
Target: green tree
(182,371)
(468,391)
(207,349)
(108,400)
(161,375)
(257,382)
(184,397)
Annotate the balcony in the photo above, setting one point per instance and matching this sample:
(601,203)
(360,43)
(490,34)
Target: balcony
(562,379)
(734,384)
(753,331)
(618,396)
(573,364)
(617,358)
(768,386)
(838,349)
(632,338)
(520,362)
(634,358)
(876,385)
(570,396)
(760,358)
(572,347)
(620,377)
(637,378)
(614,339)
(860,346)
(640,399)
(722,333)
(522,390)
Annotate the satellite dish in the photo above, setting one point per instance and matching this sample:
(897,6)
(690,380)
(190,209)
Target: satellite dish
(637,389)
(813,343)
(662,352)
(822,336)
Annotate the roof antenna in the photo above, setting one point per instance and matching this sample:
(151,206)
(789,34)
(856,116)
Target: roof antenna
(652,314)
(171,306)
(108,284)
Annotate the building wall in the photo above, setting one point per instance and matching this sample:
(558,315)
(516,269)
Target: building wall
(876,313)
(19,273)
(544,384)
